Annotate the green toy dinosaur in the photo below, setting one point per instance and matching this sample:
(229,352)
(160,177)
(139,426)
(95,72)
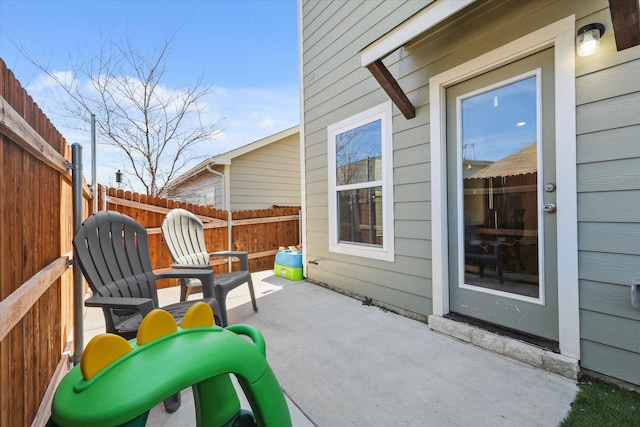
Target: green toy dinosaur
(117,382)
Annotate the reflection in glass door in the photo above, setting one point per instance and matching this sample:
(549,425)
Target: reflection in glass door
(498,160)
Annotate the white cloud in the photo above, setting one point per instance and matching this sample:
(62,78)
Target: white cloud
(266,123)
(243,115)
(44,82)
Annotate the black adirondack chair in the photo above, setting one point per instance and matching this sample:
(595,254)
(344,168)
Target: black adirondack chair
(112,251)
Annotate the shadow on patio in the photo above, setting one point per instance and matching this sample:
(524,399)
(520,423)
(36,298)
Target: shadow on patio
(346,364)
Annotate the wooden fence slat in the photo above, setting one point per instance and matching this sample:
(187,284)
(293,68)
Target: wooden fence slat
(35,219)
(44,409)
(148,207)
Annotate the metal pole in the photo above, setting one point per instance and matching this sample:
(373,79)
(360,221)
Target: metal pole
(300,228)
(94,184)
(76,190)
(230,242)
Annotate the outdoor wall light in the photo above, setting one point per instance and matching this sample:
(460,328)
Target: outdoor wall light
(588,39)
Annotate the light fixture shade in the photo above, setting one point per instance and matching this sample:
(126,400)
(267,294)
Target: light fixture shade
(588,40)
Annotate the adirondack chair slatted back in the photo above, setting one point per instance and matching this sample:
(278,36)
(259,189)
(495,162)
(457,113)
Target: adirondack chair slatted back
(184,236)
(113,253)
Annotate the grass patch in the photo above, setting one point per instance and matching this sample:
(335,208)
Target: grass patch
(369,302)
(603,404)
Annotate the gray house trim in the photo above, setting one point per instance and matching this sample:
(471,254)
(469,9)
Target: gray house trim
(413,27)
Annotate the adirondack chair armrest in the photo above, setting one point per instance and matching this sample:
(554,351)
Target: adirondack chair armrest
(241,255)
(205,275)
(142,305)
(176,265)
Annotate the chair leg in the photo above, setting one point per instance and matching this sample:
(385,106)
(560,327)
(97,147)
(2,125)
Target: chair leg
(253,295)
(183,291)
(172,403)
(221,297)
(499,265)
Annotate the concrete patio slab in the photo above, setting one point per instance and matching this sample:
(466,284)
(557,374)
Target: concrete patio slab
(342,363)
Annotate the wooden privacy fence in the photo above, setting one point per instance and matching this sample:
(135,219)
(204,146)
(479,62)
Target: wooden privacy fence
(36,308)
(259,232)
(36,230)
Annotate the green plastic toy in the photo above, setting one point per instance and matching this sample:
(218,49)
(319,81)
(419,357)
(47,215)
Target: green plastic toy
(117,382)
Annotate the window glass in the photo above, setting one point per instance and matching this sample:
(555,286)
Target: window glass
(360,213)
(356,153)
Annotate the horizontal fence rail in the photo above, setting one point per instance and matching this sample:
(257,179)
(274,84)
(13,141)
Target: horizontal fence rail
(259,232)
(14,307)
(13,126)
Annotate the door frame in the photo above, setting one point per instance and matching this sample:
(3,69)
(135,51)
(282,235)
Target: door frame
(561,36)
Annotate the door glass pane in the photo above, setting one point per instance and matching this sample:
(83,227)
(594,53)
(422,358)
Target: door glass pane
(499,173)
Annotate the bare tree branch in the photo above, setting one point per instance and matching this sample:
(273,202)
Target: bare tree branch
(159,129)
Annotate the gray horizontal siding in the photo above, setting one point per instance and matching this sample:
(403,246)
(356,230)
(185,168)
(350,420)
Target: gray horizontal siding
(385,294)
(607,298)
(610,360)
(621,269)
(619,238)
(267,176)
(614,206)
(611,175)
(608,156)
(610,113)
(617,80)
(611,144)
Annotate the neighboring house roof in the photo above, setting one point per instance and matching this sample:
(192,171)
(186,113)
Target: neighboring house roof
(519,163)
(225,158)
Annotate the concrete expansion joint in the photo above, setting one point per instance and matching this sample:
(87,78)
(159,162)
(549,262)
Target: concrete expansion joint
(507,346)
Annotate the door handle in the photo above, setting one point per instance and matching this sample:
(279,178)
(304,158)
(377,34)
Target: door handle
(549,208)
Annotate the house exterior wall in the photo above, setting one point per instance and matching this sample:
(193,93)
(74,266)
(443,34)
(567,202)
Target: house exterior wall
(257,179)
(267,176)
(608,184)
(336,86)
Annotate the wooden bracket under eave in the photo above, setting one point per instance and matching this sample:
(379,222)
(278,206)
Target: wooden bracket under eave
(625,16)
(393,89)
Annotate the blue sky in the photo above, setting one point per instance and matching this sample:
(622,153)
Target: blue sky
(501,121)
(246,50)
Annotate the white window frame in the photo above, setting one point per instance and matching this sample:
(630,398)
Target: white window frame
(382,112)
